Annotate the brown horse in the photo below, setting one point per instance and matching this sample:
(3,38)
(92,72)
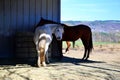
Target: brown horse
(73,33)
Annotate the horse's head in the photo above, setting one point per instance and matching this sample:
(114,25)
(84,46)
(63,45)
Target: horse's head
(59,32)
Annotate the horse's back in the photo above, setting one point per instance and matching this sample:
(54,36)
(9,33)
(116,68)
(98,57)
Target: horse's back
(43,29)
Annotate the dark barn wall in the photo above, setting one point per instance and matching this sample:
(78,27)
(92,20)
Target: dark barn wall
(23,15)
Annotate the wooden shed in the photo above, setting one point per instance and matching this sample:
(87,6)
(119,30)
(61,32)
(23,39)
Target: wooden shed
(17,19)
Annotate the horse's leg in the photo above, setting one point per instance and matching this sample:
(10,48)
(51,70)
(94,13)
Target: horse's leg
(88,53)
(46,50)
(39,60)
(85,53)
(41,49)
(73,44)
(85,47)
(68,46)
(47,57)
(90,46)
(42,57)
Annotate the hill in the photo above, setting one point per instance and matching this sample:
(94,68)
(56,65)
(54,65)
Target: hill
(99,26)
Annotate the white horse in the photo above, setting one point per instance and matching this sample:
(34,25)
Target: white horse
(43,37)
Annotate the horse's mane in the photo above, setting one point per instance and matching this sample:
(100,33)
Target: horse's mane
(45,21)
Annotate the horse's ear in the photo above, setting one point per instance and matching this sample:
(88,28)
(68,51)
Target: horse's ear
(42,18)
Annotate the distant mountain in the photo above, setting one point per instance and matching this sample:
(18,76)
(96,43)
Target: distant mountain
(98,25)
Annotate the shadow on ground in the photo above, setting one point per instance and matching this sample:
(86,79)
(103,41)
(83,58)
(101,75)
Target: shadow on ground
(75,61)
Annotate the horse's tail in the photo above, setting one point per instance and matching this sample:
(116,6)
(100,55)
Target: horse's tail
(90,43)
(73,44)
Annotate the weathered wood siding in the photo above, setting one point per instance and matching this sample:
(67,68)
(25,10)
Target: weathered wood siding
(22,16)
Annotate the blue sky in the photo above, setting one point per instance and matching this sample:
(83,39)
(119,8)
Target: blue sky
(90,10)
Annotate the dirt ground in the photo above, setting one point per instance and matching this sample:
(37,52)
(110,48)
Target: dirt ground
(103,64)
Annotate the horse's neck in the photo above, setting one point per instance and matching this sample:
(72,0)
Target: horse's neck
(52,28)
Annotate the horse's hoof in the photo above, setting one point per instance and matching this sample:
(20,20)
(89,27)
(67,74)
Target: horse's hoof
(66,52)
(82,59)
(44,64)
(85,59)
(39,66)
(47,62)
